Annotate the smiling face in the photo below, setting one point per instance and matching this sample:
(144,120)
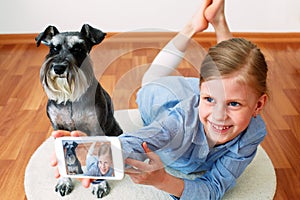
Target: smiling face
(226,108)
(104,164)
(232,88)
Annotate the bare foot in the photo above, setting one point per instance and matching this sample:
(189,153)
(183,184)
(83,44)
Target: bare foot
(215,15)
(198,22)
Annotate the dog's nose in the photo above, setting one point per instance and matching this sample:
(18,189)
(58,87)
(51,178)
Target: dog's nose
(59,68)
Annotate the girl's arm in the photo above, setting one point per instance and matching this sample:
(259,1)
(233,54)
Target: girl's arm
(213,183)
(91,159)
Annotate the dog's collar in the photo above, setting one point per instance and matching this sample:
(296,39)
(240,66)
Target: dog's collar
(97,181)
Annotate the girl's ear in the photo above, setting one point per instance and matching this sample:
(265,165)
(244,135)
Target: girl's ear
(260,104)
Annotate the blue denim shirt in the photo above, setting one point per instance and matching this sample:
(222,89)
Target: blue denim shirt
(169,110)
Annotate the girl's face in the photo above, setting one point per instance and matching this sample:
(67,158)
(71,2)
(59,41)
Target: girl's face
(104,163)
(226,107)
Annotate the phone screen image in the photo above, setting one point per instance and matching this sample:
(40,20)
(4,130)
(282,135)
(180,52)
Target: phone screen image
(94,158)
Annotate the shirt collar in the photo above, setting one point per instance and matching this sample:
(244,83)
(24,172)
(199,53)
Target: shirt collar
(199,138)
(232,144)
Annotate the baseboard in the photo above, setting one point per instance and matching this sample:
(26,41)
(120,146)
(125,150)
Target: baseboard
(148,36)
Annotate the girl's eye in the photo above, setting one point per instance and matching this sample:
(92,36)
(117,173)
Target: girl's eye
(209,99)
(234,104)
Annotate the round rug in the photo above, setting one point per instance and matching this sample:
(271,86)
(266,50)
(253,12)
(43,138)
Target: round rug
(257,182)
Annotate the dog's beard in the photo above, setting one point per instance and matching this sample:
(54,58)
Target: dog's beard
(67,87)
(61,84)
(71,159)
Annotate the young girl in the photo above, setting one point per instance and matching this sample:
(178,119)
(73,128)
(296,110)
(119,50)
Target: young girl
(209,125)
(215,129)
(102,164)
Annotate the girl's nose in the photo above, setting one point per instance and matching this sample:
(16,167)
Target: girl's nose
(219,113)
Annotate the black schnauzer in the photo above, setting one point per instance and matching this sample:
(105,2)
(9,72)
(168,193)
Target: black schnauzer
(76,100)
(72,162)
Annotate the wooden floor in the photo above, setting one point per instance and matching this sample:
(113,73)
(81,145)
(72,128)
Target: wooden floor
(119,64)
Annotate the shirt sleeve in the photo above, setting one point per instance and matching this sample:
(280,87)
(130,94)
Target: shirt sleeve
(162,136)
(170,116)
(91,166)
(225,171)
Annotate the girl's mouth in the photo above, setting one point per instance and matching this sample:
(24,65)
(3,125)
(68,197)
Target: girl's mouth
(220,128)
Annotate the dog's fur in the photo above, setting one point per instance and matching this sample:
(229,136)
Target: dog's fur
(100,188)
(72,162)
(76,100)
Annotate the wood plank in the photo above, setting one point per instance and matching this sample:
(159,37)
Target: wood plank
(269,37)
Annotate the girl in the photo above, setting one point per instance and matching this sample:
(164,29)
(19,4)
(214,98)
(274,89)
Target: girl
(211,125)
(215,129)
(102,164)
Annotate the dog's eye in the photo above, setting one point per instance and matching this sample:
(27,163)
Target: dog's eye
(55,49)
(77,49)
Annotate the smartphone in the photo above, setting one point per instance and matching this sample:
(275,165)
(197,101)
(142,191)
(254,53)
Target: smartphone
(97,157)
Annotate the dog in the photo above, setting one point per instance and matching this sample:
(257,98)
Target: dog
(72,162)
(76,100)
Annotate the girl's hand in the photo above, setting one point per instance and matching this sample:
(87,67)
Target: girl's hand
(62,133)
(151,173)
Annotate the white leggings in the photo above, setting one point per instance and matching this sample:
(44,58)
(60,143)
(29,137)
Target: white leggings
(164,63)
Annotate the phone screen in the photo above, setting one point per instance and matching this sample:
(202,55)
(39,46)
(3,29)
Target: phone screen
(92,157)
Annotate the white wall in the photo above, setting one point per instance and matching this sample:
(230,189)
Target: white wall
(32,16)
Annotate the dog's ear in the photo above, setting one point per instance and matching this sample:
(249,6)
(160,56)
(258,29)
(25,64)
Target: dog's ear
(75,144)
(46,36)
(95,36)
(66,144)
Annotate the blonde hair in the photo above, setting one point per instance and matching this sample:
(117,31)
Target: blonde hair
(104,149)
(236,57)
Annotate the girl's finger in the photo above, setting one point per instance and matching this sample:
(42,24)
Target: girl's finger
(145,147)
(136,164)
(150,154)
(60,133)
(56,173)
(132,171)
(86,182)
(53,160)
(78,134)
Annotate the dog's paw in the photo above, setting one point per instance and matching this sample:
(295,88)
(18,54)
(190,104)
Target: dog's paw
(100,188)
(64,186)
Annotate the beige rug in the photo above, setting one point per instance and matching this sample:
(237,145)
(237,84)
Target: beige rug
(257,182)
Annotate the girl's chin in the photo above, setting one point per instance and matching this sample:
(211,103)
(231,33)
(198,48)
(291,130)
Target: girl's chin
(220,136)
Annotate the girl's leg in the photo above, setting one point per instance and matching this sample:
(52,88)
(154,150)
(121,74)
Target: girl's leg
(171,55)
(164,63)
